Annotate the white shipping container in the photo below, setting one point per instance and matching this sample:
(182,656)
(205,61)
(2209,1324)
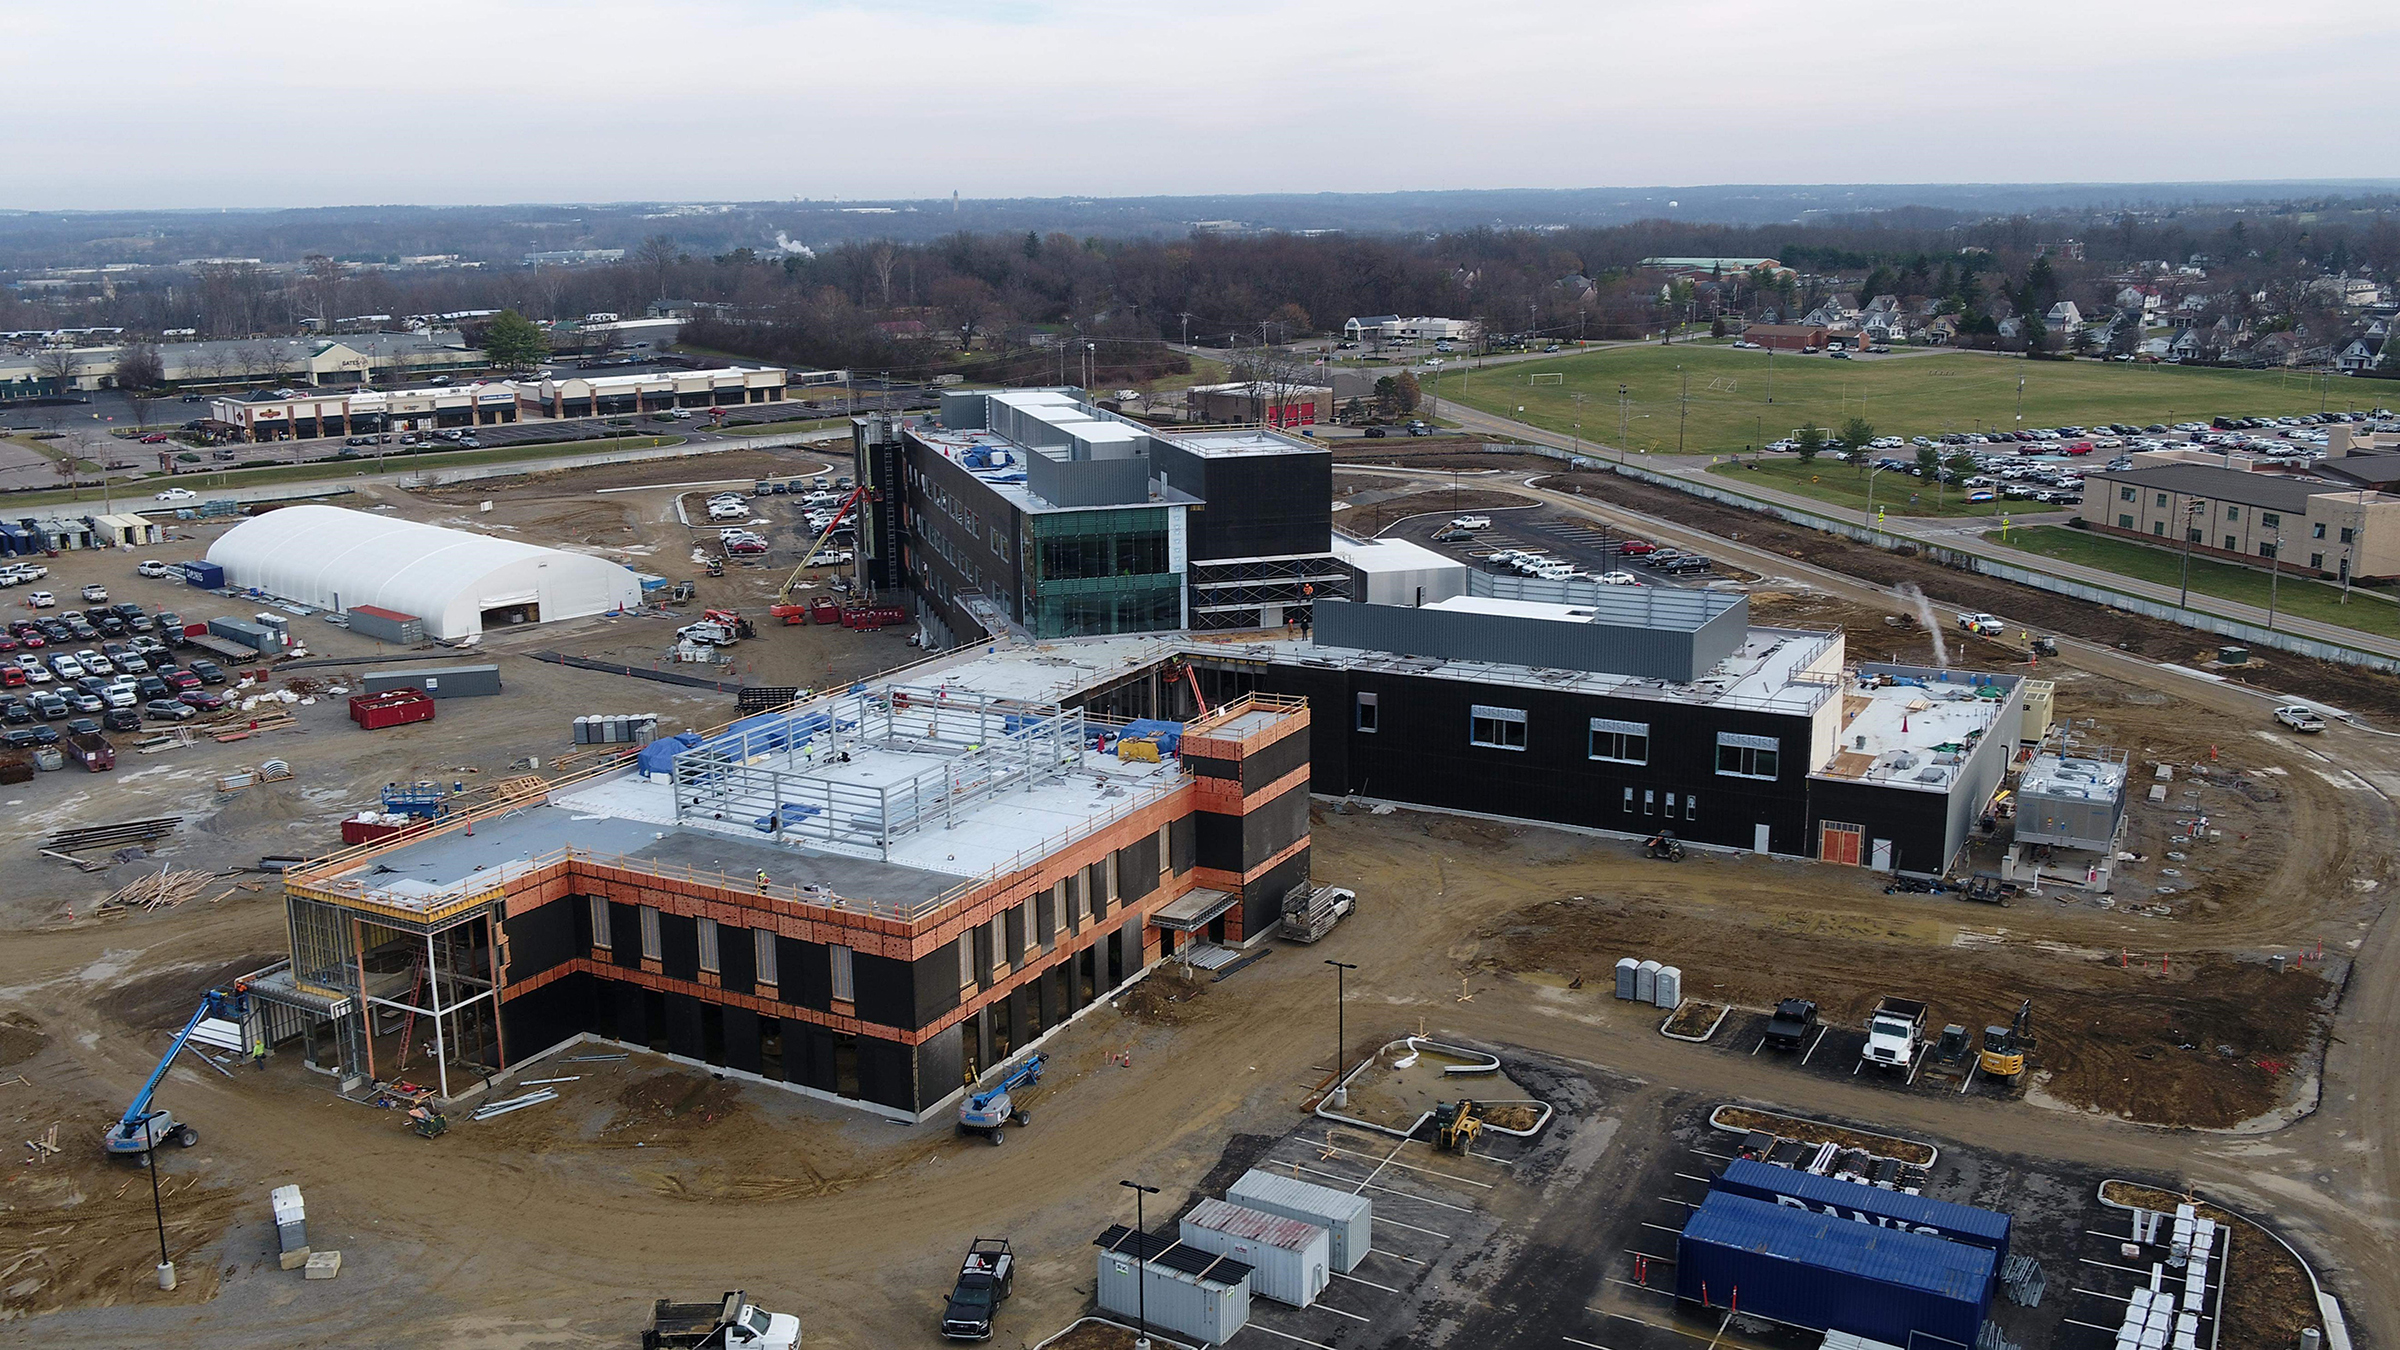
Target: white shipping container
(1349,1220)
(1290,1261)
(1193,1307)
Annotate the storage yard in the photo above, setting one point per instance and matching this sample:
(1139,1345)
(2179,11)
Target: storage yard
(2199,992)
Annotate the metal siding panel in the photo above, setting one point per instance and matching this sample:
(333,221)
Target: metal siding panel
(1348,1219)
(1960,1223)
(1829,1274)
(1286,1274)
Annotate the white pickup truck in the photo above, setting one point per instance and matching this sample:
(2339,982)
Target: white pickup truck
(1984,624)
(731,1323)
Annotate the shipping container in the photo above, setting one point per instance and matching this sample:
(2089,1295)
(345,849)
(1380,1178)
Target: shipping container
(1349,1220)
(1195,1294)
(391,708)
(208,576)
(439,681)
(1289,1259)
(1866,1204)
(386,625)
(1828,1274)
(256,637)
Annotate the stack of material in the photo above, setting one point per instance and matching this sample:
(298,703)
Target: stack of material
(291,1225)
(502,1108)
(106,836)
(163,890)
(1310,912)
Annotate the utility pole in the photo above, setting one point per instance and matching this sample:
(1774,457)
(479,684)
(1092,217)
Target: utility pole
(2191,512)
(1624,420)
(2274,575)
(1683,414)
(2020,403)
(1578,399)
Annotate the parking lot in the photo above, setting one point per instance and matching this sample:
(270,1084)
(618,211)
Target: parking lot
(1588,548)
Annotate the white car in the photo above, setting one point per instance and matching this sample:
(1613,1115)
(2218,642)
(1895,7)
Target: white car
(35,671)
(1471,523)
(2300,718)
(151,568)
(94,663)
(67,668)
(96,593)
(1984,624)
(1617,579)
(177,495)
(122,694)
(42,600)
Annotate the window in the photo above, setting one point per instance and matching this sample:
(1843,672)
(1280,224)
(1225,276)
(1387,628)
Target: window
(1740,756)
(2158,527)
(2266,550)
(2192,534)
(2317,531)
(1691,806)
(2124,522)
(2124,494)
(2161,503)
(2347,532)
(708,947)
(762,959)
(1499,728)
(1629,801)
(2233,513)
(1366,712)
(966,960)
(600,934)
(1649,801)
(2268,520)
(649,933)
(1620,742)
(2232,545)
(2317,561)
(845,987)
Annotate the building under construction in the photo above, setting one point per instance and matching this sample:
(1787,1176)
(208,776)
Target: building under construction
(871,896)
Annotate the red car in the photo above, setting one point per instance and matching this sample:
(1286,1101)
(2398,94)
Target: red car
(1635,548)
(204,699)
(155,438)
(32,641)
(746,546)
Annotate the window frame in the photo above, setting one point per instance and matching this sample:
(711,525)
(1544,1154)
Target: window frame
(603,933)
(843,977)
(1499,718)
(1621,734)
(1366,714)
(1747,749)
(650,943)
(764,967)
(712,962)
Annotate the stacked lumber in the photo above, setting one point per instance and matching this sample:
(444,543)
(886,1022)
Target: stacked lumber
(163,889)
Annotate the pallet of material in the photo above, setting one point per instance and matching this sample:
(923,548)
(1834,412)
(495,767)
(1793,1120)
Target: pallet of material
(109,836)
(253,726)
(160,890)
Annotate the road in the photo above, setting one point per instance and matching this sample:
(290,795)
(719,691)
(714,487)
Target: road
(1945,532)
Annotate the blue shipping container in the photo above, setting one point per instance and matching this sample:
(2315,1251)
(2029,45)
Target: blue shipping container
(1866,1204)
(1829,1274)
(206,575)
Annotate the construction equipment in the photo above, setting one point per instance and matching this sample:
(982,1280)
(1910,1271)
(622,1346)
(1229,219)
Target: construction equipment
(783,607)
(989,1112)
(2005,1048)
(427,1122)
(1456,1125)
(217,1021)
(1180,669)
(1893,1031)
(681,593)
(985,1280)
(731,1323)
(1987,888)
(1310,912)
(1665,845)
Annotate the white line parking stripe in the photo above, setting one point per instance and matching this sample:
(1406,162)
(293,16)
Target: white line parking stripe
(1389,1162)
(1327,1307)
(1399,1195)
(1593,1344)
(1368,1283)
(1414,1229)
(1378,1251)
(1302,1340)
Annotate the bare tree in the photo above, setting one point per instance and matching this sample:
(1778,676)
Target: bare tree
(139,367)
(320,286)
(965,303)
(655,255)
(883,259)
(56,366)
(257,361)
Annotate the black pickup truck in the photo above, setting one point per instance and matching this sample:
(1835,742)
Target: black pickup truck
(1794,1020)
(985,1279)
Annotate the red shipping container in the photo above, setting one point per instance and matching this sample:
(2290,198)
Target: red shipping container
(355,832)
(391,708)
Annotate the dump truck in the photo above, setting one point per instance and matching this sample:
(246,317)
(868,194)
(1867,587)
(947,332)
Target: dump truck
(731,1323)
(1893,1030)
(1795,1020)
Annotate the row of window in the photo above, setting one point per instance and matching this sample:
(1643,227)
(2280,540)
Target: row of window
(2267,520)
(1608,740)
(2233,544)
(762,943)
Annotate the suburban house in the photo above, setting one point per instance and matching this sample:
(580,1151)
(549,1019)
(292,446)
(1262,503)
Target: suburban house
(2064,317)
(1787,337)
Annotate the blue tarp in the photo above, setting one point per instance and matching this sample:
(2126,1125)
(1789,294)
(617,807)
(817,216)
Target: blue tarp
(1169,735)
(659,755)
(790,811)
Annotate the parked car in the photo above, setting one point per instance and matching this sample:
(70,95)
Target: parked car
(95,593)
(150,567)
(168,710)
(121,719)
(208,672)
(181,681)
(203,699)
(2300,718)
(42,600)
(50,706)
(151,686)
(1471,523)
(176,495)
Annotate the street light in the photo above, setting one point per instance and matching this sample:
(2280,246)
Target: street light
(2274,574)
(1341,1034)
(2191,512)
(1141,1257)
(1871,493)
(166,1268)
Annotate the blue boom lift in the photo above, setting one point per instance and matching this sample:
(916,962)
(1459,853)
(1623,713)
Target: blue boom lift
(987,1113)
(135,1132)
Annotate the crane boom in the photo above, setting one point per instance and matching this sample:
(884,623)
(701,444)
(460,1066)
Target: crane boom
(841,513)
(217,1003)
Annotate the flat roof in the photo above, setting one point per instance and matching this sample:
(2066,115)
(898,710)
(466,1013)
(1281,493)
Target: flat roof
(1389,555)
(2273,491)
(1238,443)
(1915,728)
(1007,481)
(1664,608)
(1766,673)
(2096,776)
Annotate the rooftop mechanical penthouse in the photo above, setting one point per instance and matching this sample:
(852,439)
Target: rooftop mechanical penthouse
(871,896)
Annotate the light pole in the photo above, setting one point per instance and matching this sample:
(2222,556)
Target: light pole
(1871,524)
(2191,512)
(2274,574)
(1341,1034)
(166,1268)
(2020,403)
(1141,1257)
(1624,419)
(1770,374)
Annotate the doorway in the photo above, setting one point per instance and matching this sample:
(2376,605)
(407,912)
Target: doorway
(1758,839)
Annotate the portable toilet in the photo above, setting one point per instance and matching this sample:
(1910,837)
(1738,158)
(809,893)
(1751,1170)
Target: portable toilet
(1645,982)
(1669,992)
(1628,978)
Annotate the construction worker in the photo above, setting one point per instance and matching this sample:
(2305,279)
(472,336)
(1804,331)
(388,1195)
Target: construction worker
(762,881)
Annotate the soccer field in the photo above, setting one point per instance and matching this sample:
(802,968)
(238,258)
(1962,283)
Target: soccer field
(1900,395)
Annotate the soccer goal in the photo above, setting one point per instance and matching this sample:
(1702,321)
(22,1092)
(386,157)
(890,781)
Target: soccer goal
(1547,377)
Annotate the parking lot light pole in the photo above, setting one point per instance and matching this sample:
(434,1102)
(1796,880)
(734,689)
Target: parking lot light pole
(2274,574)
(1341,1034)
(1141,1255)
(2191,512)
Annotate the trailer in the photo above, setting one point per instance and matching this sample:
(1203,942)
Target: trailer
(1823,1273)
(1310,912)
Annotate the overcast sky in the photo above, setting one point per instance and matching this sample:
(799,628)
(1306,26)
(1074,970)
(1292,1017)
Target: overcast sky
(243,103)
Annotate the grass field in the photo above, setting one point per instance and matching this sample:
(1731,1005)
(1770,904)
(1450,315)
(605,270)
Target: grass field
(1901,395)
(2368,611)
(1831,481)
(333,470)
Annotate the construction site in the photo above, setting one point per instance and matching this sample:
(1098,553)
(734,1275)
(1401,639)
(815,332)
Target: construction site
(754,936)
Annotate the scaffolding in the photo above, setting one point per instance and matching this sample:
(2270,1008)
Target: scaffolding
(868,768)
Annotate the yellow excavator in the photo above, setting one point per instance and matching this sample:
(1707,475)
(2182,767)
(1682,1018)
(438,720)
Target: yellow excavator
(1456,1125)
(2005,1048)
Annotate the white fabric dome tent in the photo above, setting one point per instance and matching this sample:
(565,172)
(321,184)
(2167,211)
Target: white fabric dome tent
(454,580)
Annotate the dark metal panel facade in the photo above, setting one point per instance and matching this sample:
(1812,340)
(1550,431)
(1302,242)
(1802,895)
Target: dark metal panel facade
(1504,639)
